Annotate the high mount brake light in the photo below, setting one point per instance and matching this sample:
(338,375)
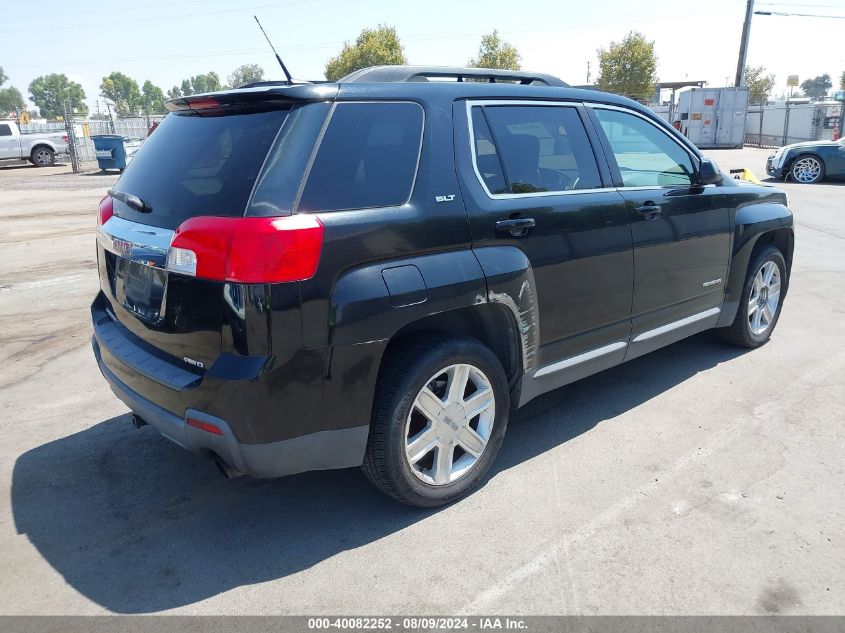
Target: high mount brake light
(247,250)
(105,211)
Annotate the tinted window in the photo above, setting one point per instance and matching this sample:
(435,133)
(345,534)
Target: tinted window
(198,165)
(543,148)
(5,130)
(367,158)
(646,155)
(486,158)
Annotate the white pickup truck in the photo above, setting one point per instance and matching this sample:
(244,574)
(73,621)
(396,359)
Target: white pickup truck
(40,148)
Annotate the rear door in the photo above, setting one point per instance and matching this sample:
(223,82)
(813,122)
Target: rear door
(9,146)
(681,231)
(535,162)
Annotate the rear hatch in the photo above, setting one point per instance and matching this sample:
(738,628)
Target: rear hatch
(197,164)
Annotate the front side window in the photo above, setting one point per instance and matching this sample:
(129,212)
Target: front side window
(542,149)
(646,156)
(367,158)
(5,130)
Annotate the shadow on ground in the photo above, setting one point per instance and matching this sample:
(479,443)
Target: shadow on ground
(138,525)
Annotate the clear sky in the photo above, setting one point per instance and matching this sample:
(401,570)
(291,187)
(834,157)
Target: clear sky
(169,41)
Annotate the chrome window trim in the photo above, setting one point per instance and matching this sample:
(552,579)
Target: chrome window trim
(523,102)
(319,142)
(580,358)
(606,106)
(675,325)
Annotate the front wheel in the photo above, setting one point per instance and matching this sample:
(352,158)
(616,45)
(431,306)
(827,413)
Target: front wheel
(761,300)
(42,157)
(807,169)
(439,418)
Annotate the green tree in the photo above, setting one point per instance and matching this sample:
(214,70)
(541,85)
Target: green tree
(174,93)
(123,92)
(628,67)
(152,98)
(11,99)
(374,47)
(842,81)
(495,53)
(246,74)
(817,87)
(186,88)
(209,82)
(51,92)
(759,84)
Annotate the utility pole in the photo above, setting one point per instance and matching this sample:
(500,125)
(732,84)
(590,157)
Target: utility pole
(743,45)
(588,73)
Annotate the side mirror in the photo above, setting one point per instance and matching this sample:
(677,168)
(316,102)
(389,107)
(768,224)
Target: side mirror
(708,173)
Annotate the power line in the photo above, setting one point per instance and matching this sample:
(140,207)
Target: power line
(800,15)
(160,18)
(90,11)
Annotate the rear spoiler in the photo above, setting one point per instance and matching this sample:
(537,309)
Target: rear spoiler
(253,97)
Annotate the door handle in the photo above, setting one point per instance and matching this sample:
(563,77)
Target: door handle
(516,226)
(648,210)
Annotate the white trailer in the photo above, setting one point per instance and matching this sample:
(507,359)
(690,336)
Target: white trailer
(712,117)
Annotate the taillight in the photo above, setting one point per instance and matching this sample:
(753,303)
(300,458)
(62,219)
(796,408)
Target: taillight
(247,250)
(65,138)
(106,210)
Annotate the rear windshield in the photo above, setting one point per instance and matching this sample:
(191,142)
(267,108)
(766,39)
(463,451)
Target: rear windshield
(198,165)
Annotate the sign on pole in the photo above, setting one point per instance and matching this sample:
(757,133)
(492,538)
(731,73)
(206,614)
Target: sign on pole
(792,81)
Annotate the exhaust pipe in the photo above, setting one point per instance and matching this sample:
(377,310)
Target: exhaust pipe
(138,421)
(227,471)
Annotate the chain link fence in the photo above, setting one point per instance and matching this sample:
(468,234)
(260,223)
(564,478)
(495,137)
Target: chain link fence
(81,130)
(782,124)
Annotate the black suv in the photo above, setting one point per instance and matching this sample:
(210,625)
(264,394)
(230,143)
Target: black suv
(375,271)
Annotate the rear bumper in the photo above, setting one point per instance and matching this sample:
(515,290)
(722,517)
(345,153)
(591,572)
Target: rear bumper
(322,450)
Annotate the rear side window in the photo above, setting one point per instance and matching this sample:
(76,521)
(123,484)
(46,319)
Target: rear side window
(5,130)
(542,148)
(646,156)
(487,160)
(367,158)
(198,165)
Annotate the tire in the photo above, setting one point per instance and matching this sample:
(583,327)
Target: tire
(434,362)
(42,157)
(807,169)
(757,314)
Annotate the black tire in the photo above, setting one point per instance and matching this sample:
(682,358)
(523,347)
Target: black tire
(740,332)
(797,160)
(42,157)
(406,370)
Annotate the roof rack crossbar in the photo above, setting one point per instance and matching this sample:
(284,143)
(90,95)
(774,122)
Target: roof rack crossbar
(391,74)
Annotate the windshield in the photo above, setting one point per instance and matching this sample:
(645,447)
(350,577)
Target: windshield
(198,165)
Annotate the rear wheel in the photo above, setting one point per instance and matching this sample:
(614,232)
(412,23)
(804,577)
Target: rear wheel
(807,169)
(42,157)
(762,297)
(439,418)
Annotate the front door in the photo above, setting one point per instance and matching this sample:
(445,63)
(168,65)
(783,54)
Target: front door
(681,231)
(9,146)
(531,182)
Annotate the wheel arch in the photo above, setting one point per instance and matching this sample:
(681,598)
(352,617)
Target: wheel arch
(756,226)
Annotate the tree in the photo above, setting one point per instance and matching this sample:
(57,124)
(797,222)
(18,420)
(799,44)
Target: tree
(628,67)
(817,87)
(246,74)
(842,81)
(11,99)
(50,93)
(495,53)
(152,98)
(759,84)
(374,47)
(123,92)
(174,93)
(208,82)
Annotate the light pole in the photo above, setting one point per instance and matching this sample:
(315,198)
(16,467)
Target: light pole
(743,45)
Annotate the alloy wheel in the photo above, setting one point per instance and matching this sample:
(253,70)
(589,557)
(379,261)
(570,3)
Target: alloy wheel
(449,424)
(43,157)
(764,299)
(806,169)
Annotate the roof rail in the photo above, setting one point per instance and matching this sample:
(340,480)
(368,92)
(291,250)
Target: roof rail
(390,74)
